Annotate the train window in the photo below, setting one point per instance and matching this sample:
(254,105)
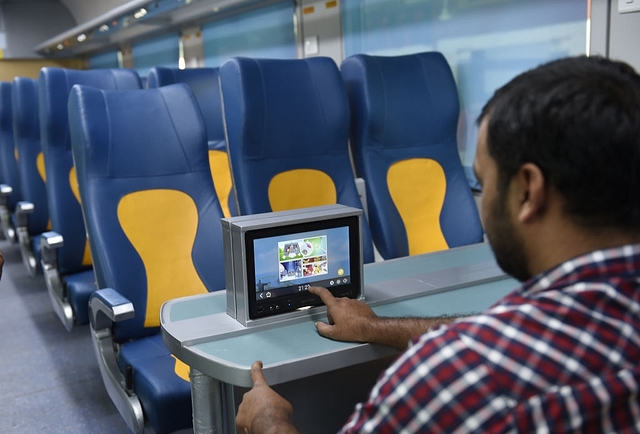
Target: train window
(105,60)
(161,51)
(266,32)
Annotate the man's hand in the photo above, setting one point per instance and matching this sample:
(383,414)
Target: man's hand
(354,321)
(262,410)
(349,320)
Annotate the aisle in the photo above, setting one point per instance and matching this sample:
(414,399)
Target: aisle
(49,378)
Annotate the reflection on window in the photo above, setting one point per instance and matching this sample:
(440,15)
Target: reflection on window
(162,51)
(104,60)
(264,33)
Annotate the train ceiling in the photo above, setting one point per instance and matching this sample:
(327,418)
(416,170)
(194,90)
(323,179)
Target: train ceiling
(109,24)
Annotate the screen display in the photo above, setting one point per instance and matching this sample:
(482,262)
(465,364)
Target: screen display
(284,262)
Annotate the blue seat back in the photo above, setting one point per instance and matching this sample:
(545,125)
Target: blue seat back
(405,114)
(26,130)
(8,163)
(65,211)
(287,124)
(152,214)
(203,82)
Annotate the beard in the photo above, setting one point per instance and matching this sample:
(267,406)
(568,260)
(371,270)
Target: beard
(505,242)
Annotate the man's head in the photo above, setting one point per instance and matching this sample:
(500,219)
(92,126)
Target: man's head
(576,123)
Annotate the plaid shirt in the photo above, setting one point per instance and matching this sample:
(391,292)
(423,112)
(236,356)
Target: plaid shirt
(559,354)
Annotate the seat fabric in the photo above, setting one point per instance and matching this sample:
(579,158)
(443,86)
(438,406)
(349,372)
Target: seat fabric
(26,127)
(153,221)
(161,394)
(405,114)
(287,125)
(80,286)
(203,82)
(9,171)
(54,85)
(28,150)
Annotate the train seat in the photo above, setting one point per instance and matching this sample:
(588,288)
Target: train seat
(287,128)
(65,256)
(10,190)
(32,212)
(153,221)
(405,114)
(205,87)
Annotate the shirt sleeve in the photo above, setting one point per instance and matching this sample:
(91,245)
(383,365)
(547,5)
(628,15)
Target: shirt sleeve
(439,384)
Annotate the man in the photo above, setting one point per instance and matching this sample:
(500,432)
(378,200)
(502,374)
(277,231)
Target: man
(559,159)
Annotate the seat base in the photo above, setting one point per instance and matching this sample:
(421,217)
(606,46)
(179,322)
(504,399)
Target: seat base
(166,399)
(80,286)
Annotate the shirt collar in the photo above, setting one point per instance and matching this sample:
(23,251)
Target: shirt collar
(570,271)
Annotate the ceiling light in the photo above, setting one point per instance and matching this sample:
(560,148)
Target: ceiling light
(139,14)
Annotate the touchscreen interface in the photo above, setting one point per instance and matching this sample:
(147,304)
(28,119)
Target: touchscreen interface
(286,265)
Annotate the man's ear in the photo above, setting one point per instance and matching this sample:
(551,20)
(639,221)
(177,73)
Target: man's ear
(531,192)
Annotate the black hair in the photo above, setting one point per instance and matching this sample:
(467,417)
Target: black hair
(578,120)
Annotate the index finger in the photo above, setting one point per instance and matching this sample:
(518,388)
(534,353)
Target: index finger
(324,294)
(257,377)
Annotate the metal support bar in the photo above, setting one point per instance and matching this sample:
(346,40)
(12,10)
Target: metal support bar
(209,404)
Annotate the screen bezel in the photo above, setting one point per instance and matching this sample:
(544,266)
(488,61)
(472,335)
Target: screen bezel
(303,300)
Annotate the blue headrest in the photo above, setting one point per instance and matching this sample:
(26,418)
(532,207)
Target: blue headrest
(275,95)
(25,108)
(54,88)
(6,113)
(204,85)
(6,127)
(114,157)
(398,110)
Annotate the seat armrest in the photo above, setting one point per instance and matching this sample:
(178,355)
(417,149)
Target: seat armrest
(23,209)
(5,191)
(107,306)
(49,243)
(5,214)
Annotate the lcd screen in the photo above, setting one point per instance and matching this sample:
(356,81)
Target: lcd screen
(283,262)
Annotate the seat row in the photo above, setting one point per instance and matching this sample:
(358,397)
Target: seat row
(403,115)
(155,170)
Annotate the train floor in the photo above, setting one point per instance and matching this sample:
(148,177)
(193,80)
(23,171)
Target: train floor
(49,378)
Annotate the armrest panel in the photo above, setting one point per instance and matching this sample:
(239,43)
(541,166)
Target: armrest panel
(49,242)
(5,214)
(52,240)
(107,306)
(5,190)
(23,209)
